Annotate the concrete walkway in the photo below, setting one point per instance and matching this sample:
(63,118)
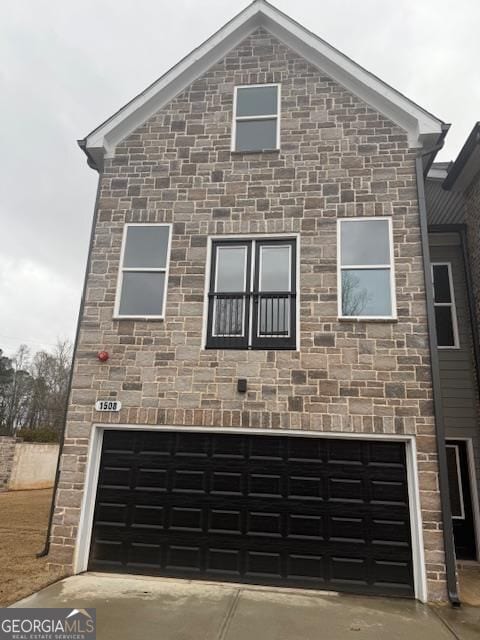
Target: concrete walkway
(129,607)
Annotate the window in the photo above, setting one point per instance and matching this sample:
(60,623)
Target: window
(142,281)
(444,303)
(252,294)
(365,267)
(455,481)
(256,120)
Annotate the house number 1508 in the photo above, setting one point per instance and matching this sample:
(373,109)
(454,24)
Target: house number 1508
(108,405)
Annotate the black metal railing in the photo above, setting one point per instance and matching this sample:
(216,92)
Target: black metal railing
(271,315)
(229,314)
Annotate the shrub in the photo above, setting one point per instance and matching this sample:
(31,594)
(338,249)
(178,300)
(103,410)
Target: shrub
(39,434)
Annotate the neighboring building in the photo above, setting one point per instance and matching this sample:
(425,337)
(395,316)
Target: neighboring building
(257,277)
(463,179)
(453,202)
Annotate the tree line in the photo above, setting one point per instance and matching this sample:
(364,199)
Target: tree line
(33,392)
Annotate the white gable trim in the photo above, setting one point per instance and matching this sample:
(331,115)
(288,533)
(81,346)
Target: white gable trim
(423,128)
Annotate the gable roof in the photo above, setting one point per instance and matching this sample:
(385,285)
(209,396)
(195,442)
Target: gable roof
(443,207)
(424,129)
(467,164)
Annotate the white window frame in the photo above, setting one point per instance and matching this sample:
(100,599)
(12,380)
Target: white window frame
(122,270)
(473,487)
(244,306)
(262,247)
(390,266)
(262,117)
(459,481)
(451,304)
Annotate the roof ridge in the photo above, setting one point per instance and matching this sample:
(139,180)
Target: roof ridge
(419,123)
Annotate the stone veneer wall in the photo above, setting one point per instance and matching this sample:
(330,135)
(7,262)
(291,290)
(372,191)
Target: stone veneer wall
(7,452)
(338,158)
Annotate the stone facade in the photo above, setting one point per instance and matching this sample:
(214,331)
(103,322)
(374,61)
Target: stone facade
(338,159)
(7,452)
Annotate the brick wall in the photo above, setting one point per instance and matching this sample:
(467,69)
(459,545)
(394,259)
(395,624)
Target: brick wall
(338,158)
(7,452)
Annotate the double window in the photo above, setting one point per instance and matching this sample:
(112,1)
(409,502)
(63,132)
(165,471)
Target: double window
(366,281)
(444,303)
(142,282)
(256,118)
(252,294)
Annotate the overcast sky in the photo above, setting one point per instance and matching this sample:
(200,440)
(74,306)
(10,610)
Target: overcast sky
(67,65)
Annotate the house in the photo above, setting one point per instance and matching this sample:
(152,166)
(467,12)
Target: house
(256,393)
(452,193)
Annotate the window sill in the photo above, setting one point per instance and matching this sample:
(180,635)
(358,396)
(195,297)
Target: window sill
(141,318)
(384,320)
(249,349)
(258,152)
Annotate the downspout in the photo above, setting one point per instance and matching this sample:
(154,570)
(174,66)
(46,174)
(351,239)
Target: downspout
(450,560)
(472,309)
(44,552)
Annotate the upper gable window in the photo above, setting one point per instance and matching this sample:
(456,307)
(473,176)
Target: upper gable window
(142,280)
(256,121)
(365,266)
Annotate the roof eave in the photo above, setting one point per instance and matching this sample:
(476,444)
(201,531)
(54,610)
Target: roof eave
(467,164)
(431,147)
(424,130)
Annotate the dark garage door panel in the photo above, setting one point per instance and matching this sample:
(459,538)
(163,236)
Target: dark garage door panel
(319,512)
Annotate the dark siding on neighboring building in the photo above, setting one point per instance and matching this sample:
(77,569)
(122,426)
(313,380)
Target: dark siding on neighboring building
(457,366)
(443,207)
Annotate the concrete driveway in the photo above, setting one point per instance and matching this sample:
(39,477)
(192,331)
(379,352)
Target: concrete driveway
(131,607)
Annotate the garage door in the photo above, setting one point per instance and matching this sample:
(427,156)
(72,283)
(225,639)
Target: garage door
(294,511)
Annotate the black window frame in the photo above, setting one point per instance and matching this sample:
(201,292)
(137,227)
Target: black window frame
(251,340)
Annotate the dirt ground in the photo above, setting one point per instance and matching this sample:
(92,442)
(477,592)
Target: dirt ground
(469,583)
(23,526)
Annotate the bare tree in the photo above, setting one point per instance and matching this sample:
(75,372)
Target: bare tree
(50,372)
(33,391)
(6,378)
(354,300)
(20,388)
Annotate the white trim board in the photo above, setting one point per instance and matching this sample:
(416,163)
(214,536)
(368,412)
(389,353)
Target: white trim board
(82,547)
(423,128)
(459,481)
